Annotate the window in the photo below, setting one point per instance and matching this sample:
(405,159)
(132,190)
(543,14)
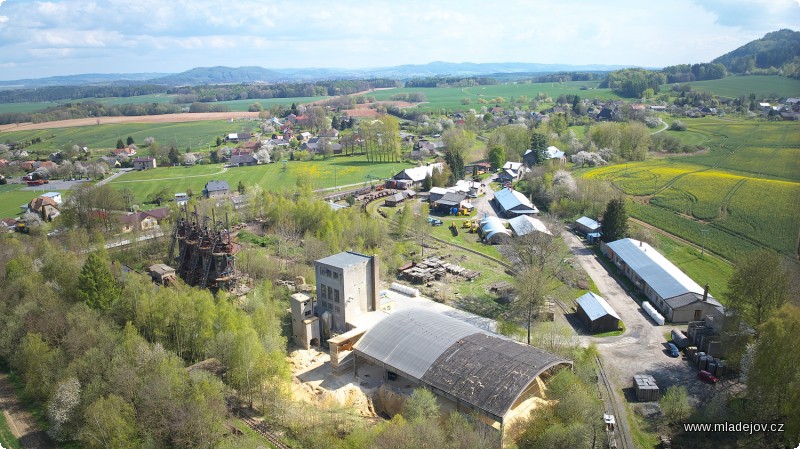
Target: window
(338,310)
(336,295)
(330,292)
(335,275)
(308,313)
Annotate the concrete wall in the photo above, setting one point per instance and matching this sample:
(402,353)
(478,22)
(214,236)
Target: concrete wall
(347,292)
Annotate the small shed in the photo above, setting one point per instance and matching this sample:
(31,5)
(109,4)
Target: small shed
(586,225)
(597,313)
(161,273)
(646,388)
(394,200)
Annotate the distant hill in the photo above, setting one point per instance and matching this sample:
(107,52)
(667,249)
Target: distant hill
(217,75)
(253,74)
(79,80)
(775,49)
(221,75)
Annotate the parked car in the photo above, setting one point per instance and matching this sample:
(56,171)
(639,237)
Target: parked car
(705,376)
(673,350)
(435,221)
(472,195)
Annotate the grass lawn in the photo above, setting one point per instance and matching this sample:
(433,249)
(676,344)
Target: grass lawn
(25,107)
(336,171)
(197,135)
(734,86)
(12,197)
(453,98)
(266,103)
(7,439)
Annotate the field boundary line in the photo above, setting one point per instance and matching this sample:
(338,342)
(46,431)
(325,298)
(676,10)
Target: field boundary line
(223,170)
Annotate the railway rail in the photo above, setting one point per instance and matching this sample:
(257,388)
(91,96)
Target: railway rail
(261,428)
(621,428)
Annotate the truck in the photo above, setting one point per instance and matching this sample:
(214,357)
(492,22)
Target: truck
(38,182)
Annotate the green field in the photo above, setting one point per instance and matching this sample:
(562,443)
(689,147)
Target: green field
(337,171)
(25,107)
(196,135)
(761,86)
(451,97)
(745,190)
(243,105)
(12,197)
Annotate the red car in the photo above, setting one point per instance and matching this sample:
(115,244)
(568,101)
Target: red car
(706,376)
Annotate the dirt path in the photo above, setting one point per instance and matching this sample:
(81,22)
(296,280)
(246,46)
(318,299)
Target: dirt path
(20,421)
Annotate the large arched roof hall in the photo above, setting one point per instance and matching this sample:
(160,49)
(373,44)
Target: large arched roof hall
(470,366)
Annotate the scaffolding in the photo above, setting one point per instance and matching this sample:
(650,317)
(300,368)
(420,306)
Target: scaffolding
(206,255)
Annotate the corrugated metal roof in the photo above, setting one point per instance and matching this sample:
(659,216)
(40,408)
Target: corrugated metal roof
(484,370)
(660,274)
(595,306)
(554,153)
(589,223)
(513,200)
(491,226)
(411,340)
(524,225)
(344,259)
(417,174)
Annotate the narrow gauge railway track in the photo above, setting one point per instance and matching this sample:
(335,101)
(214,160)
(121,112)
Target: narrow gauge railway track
(262,429)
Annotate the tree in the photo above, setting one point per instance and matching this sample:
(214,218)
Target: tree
(497,156)
(773,380)
(189,159)
(61,409)
(110,422)
(96,284)
(421,406)
(615,221)
(130,140)
(214,156)
(241,188)
(120,144)
(427,183)
(174,156)
(457,142)
(758,287)
(675,404)
(539,148)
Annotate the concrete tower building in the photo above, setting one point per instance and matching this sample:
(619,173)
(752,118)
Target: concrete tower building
(347,286)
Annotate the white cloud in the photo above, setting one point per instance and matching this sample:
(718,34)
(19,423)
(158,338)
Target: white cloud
(179,34)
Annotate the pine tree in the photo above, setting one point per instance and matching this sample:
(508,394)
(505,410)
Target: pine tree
(615,221)
(120,144)
(539,148)
(96,284)
(427,183)
(130,140)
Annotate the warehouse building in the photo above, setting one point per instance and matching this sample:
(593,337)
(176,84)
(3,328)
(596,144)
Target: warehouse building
(476,370)
(513,203)
(672,292)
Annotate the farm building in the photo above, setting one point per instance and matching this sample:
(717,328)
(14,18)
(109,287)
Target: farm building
(476,370)
(347,286)
(672,292)
(55,196)
(469,187)
(513,203)
(586,226)
(493,230)
(524,225)
(144,163)
(450,201)
(394,200)
(436,193)
(417,174)
(216,189)
(597,314)
(161,273)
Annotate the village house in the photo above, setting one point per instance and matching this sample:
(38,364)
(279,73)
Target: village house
(417,174)
(242,158)
(45,207)
(513,203)
(144,163)
(216,189)
(143,220)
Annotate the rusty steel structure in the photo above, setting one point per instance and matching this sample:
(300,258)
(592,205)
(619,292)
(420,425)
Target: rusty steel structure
(206,254)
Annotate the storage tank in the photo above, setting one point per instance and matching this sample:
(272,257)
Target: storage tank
(326,325)
(680,339)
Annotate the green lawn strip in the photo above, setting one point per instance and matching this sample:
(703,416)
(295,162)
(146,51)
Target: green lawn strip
(735,86)
(198,135)
(7,439)
(643,432)
(336,171)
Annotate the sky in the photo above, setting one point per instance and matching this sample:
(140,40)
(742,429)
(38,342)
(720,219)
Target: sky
(65,37)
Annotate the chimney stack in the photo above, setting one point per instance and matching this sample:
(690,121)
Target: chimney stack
(705,293)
